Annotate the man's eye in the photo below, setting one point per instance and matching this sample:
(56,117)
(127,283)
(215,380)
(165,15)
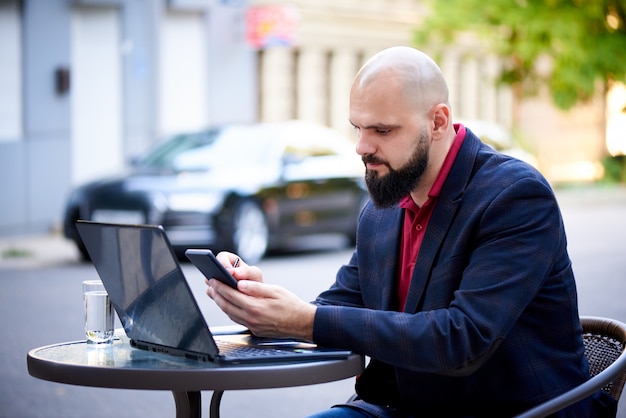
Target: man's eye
(383,132)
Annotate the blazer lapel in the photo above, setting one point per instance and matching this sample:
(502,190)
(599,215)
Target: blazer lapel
(441,219)
(435,234)
(381,241)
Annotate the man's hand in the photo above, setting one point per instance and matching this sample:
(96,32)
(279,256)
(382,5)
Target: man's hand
(242,271)
(267,310)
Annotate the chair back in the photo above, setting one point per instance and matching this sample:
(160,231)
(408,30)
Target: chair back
(605,340)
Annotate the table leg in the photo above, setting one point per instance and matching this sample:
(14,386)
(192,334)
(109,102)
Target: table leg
(188,404)
(214,411)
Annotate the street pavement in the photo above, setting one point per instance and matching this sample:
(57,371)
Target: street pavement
(595,222)
(52,249)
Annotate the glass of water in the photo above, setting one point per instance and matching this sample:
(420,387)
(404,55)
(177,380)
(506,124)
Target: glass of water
(99,318)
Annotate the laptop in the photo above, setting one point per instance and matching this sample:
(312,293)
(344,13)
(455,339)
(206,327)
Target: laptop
(157,308)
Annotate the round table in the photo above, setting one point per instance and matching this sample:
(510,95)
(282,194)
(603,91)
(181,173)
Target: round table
(118,365)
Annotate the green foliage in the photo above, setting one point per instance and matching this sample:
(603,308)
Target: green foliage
(13,252)
(614,169)
(583,41)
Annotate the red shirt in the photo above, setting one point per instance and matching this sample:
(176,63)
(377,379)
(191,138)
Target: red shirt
(416,220)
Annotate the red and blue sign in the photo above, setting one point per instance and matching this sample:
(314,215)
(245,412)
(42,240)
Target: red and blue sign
(272,25)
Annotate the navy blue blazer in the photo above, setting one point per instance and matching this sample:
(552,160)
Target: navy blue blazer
(491,323)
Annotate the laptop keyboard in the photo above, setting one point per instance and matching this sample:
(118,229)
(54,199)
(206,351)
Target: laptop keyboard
(230,349)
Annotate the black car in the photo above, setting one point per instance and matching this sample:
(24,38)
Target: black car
(242,188)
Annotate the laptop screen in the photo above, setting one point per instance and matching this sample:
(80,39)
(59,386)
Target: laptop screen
(146,285)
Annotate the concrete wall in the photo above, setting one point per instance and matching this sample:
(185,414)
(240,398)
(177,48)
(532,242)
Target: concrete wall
(40,163)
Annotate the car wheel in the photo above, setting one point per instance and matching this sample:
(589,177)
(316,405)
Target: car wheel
(250,232)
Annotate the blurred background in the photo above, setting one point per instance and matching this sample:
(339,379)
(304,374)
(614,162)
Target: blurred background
(87,85)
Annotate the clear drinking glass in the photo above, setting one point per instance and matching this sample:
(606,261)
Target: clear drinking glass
(99,319)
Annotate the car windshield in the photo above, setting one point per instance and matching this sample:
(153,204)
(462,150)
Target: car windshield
(164,155)
(203,150)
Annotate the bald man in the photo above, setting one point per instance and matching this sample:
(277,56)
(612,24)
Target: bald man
(460,289)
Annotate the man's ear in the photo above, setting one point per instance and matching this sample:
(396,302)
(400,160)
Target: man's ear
(441,120)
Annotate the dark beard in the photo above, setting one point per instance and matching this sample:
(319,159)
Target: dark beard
(389,189)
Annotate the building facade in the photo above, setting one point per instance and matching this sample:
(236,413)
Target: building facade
(91,83)
(88,84)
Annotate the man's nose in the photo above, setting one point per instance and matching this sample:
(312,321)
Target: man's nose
(364,145)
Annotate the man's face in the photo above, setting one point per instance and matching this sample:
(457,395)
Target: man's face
(393,138)
(388,189)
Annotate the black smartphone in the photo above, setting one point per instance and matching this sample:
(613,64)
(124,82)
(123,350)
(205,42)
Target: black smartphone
(206,262)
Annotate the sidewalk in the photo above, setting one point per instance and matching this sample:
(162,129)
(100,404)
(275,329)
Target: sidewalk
(36,251)
(53,248)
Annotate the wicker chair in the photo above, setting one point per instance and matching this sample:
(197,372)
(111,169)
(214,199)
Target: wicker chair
(605,341)
(605,349)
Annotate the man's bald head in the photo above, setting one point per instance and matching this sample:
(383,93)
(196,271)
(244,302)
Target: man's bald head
(414,73)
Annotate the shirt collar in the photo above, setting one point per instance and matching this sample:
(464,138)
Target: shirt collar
(448,162)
